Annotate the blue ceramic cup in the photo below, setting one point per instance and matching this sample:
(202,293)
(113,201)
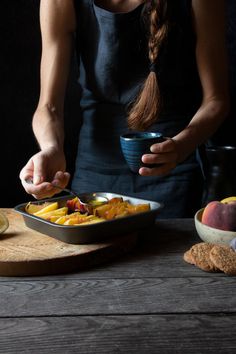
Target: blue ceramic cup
(135,145)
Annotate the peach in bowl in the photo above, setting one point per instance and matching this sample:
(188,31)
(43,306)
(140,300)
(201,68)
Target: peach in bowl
(216,223)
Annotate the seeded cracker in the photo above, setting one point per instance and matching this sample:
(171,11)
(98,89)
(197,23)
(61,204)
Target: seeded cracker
(224,258)
(200,254)
(188,257)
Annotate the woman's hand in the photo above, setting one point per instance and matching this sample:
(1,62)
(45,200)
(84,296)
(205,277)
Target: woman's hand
(165,154)
(57,24)
(46,166)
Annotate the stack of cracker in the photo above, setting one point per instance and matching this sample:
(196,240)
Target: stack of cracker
(212,257)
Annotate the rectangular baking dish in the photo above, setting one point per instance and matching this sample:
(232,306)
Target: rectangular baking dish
(85,234)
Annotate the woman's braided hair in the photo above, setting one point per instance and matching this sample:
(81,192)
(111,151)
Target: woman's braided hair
(146,108)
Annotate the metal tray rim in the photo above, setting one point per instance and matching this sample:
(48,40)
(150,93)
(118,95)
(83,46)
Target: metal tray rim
(18,209)
(96,232)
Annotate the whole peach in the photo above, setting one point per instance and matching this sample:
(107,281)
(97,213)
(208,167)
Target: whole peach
(220,215)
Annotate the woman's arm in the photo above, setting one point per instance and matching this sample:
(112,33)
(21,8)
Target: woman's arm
(211,54)
(57,22)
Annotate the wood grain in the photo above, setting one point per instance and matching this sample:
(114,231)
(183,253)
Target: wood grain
(27,252)
(117,296)
(137,263)
(165,334)
(150,301)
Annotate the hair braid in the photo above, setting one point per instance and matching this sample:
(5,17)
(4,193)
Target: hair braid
(146,108)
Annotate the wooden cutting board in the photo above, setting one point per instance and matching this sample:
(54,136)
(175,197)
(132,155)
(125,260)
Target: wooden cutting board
(25,252)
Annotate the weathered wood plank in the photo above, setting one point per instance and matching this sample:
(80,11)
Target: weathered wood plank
(118,296)
(181,334)
(174,235)
(138,264)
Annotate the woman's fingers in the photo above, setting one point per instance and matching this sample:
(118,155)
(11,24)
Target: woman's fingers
(31,177)
(164,155)
(38,190)
(39,169)
(62,183)
(46,189)
(161,170)
(166,146)
(61,179)
(43,189)
(159,158)
(33,171)
(27,172)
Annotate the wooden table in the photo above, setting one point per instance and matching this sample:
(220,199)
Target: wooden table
(147,301)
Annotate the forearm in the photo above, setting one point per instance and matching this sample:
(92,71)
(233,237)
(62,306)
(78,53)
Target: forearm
(204,124)
(57,21)
(48,127)
(211,56)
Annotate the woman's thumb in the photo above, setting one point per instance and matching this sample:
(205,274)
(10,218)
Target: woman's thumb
(38,176)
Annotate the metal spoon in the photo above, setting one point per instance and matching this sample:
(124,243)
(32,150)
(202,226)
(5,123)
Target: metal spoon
(94,200)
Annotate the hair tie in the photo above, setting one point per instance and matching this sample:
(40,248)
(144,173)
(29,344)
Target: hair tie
(152,67)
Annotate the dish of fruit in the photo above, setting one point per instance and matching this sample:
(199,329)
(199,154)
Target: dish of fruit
(72,214)
(221,214)
(216,223)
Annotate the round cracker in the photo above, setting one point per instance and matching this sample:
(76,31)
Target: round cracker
(188,257)
(200,253)
(224,258)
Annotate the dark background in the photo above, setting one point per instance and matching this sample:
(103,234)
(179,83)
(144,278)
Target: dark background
(19,84)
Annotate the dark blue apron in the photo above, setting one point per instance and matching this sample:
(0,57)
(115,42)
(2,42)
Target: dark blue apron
(113,62)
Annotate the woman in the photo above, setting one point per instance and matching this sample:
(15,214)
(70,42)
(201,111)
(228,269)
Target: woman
(144,65)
